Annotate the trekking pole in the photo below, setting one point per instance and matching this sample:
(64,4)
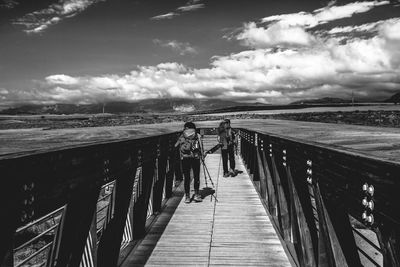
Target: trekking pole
(202,159)
(208,173)
(209,177)
(205,175)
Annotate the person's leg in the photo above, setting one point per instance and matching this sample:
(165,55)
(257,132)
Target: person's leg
(196,176)
(232,158)
(224,153)
(196,173)
(186,175)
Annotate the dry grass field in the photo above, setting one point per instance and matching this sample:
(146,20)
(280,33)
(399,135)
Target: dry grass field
(381,142)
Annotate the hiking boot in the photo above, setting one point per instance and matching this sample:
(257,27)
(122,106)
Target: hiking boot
(197,198)
(187,199)
(226,174)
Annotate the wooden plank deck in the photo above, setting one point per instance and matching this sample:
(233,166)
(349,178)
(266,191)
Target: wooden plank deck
(233,231)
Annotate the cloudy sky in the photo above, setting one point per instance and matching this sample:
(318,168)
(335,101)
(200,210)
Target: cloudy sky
(88,51)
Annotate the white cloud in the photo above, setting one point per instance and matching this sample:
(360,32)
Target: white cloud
(323,15)
(279,68)
(8,4)
(294,30)
(179,47)
(61,79)
(368,27)
(324,68)
(275,35)
(191,5)
(185,108)
(391,29)
(40,20)
(169,15)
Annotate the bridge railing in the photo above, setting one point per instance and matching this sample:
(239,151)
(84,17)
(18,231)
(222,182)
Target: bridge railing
(80,206)
(331,207)
(85,204)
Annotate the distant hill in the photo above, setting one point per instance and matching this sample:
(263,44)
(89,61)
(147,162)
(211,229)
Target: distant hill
(144,106)
(324,100)
(394,99)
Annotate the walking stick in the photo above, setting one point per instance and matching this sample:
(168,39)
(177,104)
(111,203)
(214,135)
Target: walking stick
(208,173)
(205,175)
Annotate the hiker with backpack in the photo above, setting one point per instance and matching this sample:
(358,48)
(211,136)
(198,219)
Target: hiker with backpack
(191,151)
(227,141)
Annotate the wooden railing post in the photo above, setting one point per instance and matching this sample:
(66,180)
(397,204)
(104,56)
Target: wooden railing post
(89,256)
(261,171)
(303,241)
(110,242)
(171,170)
(78,218)
(255,163)
(160,181)
(251,156)
(10,205)
(325,249)
(283,209)
(141,205)
(272,202)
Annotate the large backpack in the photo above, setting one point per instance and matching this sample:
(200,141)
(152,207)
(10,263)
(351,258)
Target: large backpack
(190,145)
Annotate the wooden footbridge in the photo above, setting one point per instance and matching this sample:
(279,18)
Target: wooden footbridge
(119,203)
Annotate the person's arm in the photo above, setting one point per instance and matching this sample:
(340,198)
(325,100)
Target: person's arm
(215,148)
(235,137)
(179,141)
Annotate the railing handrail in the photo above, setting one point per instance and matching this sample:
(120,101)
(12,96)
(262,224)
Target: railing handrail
(298,180)
(91,165)
(336,148)
(39,182)
(89,144)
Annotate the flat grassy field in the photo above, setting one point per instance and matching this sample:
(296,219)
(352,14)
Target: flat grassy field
(381,142)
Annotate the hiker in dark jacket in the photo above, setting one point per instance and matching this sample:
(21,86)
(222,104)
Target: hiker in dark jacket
(227,141)
(191,151)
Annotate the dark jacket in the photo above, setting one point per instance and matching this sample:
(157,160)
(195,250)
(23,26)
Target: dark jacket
(190,145)
(227,138)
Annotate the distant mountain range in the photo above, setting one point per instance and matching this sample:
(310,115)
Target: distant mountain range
(178,105)
(324,100)
(334,100)
(394,99)
(144,106)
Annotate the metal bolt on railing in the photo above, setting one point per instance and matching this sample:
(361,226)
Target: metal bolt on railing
(309,172)
(158,150)
(28,187)
(28,201)
(284,157)
(106,170)
(139,158)
(368,204)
